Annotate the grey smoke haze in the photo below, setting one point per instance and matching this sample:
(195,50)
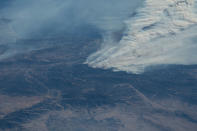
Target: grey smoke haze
(36,17)
(27,19)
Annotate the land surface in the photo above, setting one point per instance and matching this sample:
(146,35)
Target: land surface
(50,89)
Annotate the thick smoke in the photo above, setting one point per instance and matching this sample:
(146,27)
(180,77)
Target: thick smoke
(161,32)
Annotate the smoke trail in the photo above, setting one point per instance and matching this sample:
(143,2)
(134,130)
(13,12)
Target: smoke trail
(162,32)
